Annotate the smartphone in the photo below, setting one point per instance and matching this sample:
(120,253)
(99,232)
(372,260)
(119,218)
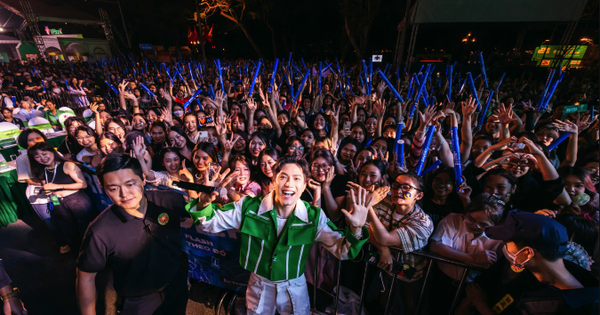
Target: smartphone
(347,124)
(203,135)
(212,169)
(209,120)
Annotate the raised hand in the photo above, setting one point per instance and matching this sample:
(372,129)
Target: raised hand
(469,107)
(381,87)
(220,126)
(566,126)
(314,185)
(359,208)
(251,104)
(505,114)
(94,107)
(219,98)
(139,147)
(584,123)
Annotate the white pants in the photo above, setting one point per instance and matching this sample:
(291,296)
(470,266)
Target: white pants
(264,297)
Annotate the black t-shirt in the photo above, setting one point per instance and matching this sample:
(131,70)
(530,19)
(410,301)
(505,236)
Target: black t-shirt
(509,292)
(144,254)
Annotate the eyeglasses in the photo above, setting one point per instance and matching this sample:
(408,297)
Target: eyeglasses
(294,149)
(404,187)
(479,225)
(318,167)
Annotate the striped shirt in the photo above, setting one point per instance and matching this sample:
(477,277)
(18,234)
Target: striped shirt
(265,253)
(413,229)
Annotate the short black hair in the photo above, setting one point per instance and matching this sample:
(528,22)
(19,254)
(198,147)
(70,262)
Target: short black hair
(22,139)
(289,160)
(115,162)
(416,177)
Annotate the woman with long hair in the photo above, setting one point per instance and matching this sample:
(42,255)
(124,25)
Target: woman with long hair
(258,142)
(78,94)
(580,188)
(70,147)
(266,160)
(204,156)
(88,139)
(441,198)
(63,181)
(180,141)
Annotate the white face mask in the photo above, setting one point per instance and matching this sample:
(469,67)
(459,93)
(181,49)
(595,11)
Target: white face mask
(512,258)
(178,113)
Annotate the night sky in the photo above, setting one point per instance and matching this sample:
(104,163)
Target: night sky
(311,29)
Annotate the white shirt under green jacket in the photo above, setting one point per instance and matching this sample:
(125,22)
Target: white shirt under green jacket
(262,252)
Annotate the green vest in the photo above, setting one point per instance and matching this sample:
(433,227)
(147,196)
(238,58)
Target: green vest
(272,257)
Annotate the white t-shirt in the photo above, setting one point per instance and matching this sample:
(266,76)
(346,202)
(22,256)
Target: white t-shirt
(452,232)
(33,192)
(83,153)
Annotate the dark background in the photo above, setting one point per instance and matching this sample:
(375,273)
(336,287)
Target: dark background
(312,29)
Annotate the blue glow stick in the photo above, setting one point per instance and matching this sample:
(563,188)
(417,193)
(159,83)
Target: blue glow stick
(147,90)
(320,75)
(400,153)
(473,89)
(545,91)
(500,82)
(221,75)
(398,142)
(188,102)
(301,86)
(591,112)
(425,150)
(337,63)
(449,74)
(44,86)
(112,88)
(385,79)
(560,139)
(256,71)
(365,74)
(410,87)
(273,73)
(483,73)
(348,86)
(549,96)
(304,64)
(14,100)
(370,81)
(418,96)
(432,167)
(483,114)
(456,154)
(211,91)
(68,87)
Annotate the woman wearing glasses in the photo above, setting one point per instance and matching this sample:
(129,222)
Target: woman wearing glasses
(398,221)
(325,189)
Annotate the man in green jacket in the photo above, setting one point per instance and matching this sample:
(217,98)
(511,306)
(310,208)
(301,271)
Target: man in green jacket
(278,231)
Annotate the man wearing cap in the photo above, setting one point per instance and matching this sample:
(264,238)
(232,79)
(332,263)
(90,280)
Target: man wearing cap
(534,278)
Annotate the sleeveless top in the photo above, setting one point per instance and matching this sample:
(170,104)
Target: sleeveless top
(60,177)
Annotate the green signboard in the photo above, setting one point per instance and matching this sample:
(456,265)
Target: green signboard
(551,51)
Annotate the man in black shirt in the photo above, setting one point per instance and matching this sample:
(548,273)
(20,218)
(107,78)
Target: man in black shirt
(534,278)
(138,237)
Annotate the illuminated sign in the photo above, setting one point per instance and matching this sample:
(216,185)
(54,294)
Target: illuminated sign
(53,31)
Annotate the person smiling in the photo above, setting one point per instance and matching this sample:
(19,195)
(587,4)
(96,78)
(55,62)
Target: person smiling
(63,181)
(278,232)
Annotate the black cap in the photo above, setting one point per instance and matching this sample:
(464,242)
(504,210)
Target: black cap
(537,231)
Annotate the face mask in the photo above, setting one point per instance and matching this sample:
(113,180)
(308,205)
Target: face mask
(512,258)
(178,113)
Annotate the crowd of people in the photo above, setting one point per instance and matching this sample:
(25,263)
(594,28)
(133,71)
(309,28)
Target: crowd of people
(320,149)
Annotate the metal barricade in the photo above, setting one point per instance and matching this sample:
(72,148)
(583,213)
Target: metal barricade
(430,257)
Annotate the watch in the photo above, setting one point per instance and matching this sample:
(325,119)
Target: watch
(15,293)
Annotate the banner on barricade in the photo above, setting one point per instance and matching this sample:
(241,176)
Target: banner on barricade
(214,258)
